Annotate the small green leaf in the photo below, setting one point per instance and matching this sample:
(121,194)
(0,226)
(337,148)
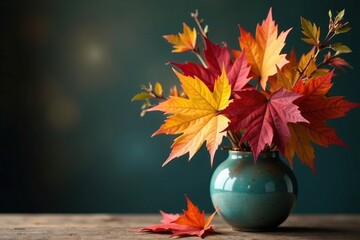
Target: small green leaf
(158,89)
(340,15)
(330,14)
(319,72)
(141,96)
(206,29)
(343,29)
(311,31)
(340,48)
(309,41)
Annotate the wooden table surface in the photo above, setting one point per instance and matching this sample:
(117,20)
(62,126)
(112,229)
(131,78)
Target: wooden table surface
(120,226)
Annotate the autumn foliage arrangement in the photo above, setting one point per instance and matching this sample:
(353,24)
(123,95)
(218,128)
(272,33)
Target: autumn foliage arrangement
(258,97)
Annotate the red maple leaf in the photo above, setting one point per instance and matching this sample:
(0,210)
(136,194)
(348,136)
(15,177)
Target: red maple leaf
(216,58)
(264,118)
(166,225)
(239,74)
(336,61)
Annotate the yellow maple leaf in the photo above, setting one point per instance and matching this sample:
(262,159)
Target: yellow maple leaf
(287,76)
(183,42)
(307,62)
(196,117)
(263,52)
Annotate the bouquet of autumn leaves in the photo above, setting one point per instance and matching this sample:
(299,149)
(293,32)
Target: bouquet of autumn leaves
(259,97)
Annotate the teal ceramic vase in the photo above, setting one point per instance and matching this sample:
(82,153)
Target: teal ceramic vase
(253,196)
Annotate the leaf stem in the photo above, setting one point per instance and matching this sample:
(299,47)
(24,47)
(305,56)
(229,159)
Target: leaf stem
(195,15)
(196,51)
(200,58)
(232,139)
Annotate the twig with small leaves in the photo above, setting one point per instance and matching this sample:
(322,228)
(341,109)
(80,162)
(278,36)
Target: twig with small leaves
(312,32)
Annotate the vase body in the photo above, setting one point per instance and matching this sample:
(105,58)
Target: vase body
(253,196)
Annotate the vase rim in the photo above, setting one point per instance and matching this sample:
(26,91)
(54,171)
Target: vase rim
(250,152)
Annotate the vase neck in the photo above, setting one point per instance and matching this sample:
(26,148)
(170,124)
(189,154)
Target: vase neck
(239,155)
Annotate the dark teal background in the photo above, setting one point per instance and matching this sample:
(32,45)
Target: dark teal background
(71,139)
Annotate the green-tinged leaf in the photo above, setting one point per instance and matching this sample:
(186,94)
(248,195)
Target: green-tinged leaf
(330,14)
(340,48)
(343,29)
(311,31)
(158,89)
(340,15)
(141,96)
(319,72)
(308,40)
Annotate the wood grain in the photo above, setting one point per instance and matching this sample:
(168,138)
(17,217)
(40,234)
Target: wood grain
(121,226)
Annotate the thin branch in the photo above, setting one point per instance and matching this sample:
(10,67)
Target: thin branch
(200,59)
(195,16)
(304,69)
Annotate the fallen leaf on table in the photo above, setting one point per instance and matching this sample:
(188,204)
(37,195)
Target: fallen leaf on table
(192,223)
(166,224)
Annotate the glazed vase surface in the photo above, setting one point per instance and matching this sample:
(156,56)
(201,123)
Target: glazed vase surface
(253,196)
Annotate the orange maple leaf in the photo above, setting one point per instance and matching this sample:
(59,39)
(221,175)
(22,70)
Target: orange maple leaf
(183,42)
(289,74)
(194,220)
(196,116)
(263,52)
(192,223)
(307,65)
(286,76)
(316,107)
